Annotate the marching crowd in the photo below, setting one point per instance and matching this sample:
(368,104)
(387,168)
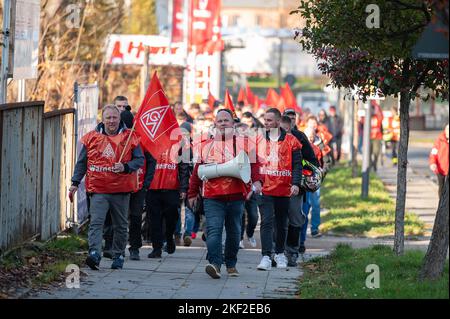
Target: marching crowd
(290,155)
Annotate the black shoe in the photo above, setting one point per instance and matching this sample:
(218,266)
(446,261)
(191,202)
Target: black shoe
(134,254)
(108,254)
(292,260)
(302,248)
(316,234)
(171,246)
(156,253)
(213,271)
(93,260)
(117,262)
(274,263)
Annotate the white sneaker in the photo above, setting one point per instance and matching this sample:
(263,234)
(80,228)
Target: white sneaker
(265,264)
(281,260)
(252,242)
(241,244)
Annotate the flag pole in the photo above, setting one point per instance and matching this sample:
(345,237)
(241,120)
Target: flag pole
(128,141)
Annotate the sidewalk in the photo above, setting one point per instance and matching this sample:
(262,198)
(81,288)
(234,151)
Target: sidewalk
(182,276)
(421,194)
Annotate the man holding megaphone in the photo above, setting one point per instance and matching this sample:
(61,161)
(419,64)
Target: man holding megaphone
(221,175)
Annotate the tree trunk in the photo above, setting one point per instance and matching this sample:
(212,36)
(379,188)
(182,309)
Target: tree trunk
(434,260)
(399,239)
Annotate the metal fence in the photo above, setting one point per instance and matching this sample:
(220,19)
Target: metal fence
(58,162)
(36,161)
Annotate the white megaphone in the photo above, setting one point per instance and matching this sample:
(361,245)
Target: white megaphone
(238,167)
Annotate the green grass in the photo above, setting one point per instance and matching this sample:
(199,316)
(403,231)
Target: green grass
(39,263)
(62,251)
(342,274)
(351,215)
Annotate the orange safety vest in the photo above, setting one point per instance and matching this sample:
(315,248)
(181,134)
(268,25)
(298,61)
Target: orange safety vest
(166,171)
(213,151)
(376,132)
(103,151)
(395,128)
(324,134)
(276,168)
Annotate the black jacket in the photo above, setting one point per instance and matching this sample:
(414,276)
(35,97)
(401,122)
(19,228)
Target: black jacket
(307,150)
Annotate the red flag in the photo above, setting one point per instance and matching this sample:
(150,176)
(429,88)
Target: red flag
(272,98)
(289,98)
(229,103)
(155,120)
(250,95)
(281,105)
(256,103)
(242,97)
(211,101)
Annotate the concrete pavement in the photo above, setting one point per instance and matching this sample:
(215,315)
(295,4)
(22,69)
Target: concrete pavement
(182,276)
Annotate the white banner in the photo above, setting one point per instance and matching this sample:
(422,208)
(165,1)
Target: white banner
(26,39)
(87,109)
(203,76)
(130,49)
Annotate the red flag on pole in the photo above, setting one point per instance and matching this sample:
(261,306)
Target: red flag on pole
(289,98)
(250,95)
(281,105)
(211,101)
(242,97)
(256,103)
(272,98)
(155,120)
(229,104)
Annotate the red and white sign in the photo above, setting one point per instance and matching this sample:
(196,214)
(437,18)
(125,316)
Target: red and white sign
(130,49)
(204,29)
(178,23)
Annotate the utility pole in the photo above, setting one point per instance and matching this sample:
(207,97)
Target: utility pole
(186,44)
(280,47)
(366,151)
(145,72)
(5,51)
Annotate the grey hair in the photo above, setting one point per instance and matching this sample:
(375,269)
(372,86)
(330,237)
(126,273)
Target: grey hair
(111,107)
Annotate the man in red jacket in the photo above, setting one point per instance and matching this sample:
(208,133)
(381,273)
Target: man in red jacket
(108,181)
(223,197)
(282,172)
(439,158)
(167,189)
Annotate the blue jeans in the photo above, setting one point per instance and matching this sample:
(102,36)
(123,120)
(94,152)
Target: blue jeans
(189,220)
(217,214)
(312,202)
